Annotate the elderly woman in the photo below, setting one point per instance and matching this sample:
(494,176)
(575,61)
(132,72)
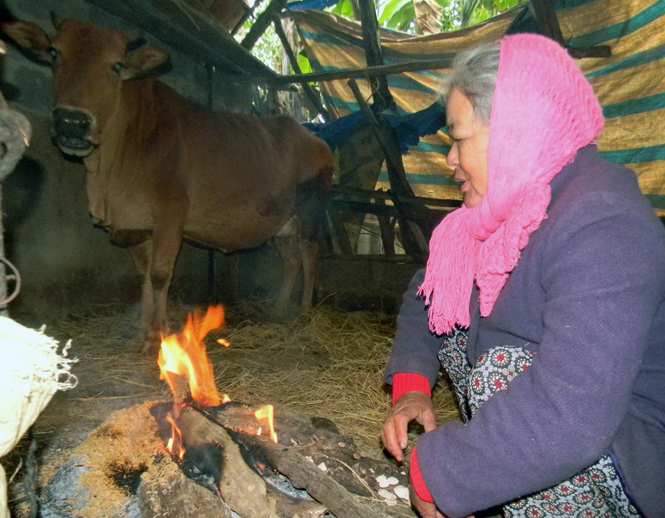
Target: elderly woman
(544,301)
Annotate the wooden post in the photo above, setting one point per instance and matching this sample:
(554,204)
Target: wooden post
(15,133)
(336,219)
(387,229)
(261,23)
(398,182)
(373,52)
(548,25)
(212,284)
(414,244)
(547,20)
(296,68)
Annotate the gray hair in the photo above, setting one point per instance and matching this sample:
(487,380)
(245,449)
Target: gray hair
(474,73)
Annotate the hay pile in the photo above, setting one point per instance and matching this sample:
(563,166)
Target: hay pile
(327,363)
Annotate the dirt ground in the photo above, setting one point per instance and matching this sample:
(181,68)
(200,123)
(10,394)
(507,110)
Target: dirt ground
(327,363)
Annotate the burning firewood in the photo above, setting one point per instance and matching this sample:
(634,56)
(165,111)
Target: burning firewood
(245,491)
(241,488)
(164,489)
(229,447)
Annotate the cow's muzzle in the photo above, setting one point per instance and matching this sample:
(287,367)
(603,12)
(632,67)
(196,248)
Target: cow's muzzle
(74,131)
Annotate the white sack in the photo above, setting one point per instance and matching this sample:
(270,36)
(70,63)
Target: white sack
(31,371)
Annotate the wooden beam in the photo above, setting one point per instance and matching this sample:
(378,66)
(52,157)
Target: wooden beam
(357,73)
(381,209)
(399,185)
(398,258)
(309,91)
(241,22)
(262,23)
(398,182)
(374,53)
(547,20)
(548,24)
(599,51)
(192,35)
(383,195)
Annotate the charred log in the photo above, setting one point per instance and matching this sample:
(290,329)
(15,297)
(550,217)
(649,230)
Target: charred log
(308,441)
(166,490)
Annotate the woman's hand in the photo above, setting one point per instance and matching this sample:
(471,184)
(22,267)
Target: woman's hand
(411,406)
(424,509)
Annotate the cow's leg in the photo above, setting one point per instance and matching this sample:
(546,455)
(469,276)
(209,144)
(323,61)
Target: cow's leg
(309,251)
(289,251)
(310,207)
(166,245)
(142,255)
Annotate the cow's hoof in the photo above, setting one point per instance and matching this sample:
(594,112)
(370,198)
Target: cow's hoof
(151,346)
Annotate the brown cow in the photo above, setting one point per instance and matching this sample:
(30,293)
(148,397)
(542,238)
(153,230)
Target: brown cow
(162,168)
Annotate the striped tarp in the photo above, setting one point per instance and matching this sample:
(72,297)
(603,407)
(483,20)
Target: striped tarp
(630,84)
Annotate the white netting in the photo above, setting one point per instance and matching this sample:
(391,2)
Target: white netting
(31,371)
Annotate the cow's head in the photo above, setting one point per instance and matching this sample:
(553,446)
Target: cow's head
(89,65)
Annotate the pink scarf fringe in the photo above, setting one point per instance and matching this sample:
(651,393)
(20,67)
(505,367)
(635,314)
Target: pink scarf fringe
(543,111)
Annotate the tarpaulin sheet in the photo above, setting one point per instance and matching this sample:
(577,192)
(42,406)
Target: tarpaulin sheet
(630,84)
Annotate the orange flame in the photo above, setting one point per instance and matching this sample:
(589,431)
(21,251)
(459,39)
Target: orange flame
(175,442)
(184,354)
(266,413)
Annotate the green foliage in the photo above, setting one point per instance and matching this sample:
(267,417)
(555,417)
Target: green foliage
(455,14)
(303,63)
(393,14)
(343,8)
(268,48)
(397,14)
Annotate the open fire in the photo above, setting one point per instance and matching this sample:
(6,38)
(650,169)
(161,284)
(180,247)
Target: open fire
(184,355)
(232,448)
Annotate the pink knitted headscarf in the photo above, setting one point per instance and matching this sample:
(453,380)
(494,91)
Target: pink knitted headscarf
(543,111)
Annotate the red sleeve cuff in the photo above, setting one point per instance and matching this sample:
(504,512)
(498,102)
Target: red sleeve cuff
(404,382)
(417,480)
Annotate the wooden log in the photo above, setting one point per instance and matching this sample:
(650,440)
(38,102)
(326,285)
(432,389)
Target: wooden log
(166,491)
(597,51)
(242,489)
(304,474)
(423,214)
(547,20)
(304,437)
(287,507)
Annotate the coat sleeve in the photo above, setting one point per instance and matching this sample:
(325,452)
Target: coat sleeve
(415,348)
(603,276)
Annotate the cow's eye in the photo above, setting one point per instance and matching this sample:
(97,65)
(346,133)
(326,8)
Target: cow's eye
(53,51)
(118,67)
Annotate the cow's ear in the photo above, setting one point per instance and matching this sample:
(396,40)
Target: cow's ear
(30,37)
(144,61)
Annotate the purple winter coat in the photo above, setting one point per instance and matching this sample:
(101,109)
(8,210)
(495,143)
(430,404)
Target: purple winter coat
(588,297)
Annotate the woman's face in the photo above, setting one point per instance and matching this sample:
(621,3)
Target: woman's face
(468,154)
